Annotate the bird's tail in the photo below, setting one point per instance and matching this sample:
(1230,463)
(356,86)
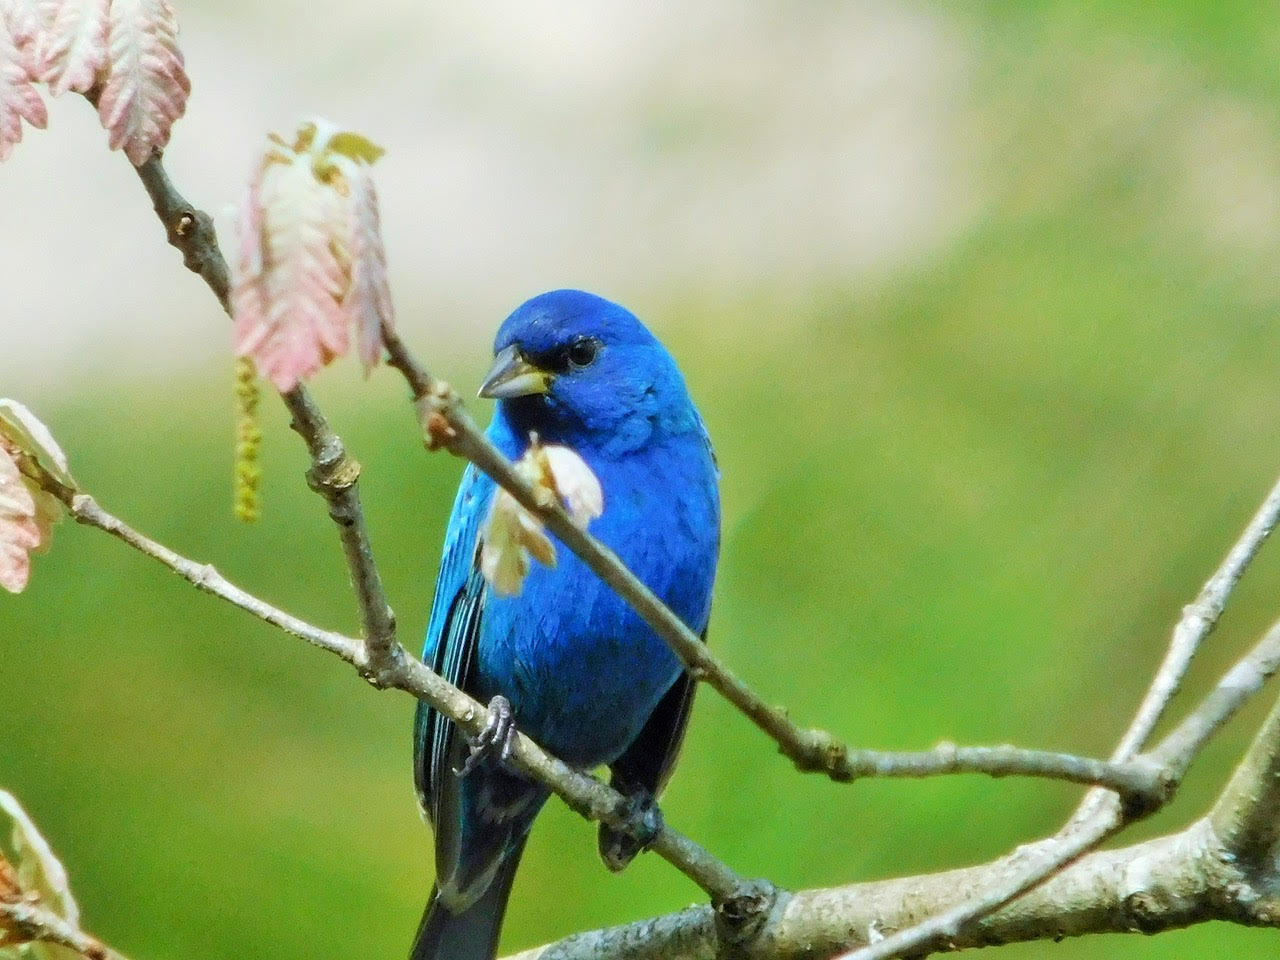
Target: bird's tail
(470,934)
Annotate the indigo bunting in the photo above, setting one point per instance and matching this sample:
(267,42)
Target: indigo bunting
(566,660)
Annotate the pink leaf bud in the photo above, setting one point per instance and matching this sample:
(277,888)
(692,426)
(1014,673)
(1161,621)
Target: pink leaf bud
(311,261)
(72,46)
(512,535)
(19,100)
(28,456)
(146,86)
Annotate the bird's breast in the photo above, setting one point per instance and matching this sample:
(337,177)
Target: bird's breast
(581,668)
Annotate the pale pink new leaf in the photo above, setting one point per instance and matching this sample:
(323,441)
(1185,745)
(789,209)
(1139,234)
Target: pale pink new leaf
(30,447)
(146,89)
(289,315)
(575,483)
(368,300)
(28,434)
(73,47)
(504,562)
(248,287)
(19,532)
(26,20)
(512,536)
(18,98)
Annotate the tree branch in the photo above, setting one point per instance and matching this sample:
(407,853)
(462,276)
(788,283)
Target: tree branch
(1198,619)
(446,423)
(1163,884)
(1139,778)
(188,228)
(1108,814)
(333,474)
(1027,868)
(24,921)
(1242,681)
(1247,816)
(205,577)
(585,794)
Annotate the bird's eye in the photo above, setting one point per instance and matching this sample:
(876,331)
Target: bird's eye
(582,352)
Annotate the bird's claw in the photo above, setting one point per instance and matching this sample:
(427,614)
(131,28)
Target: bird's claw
(497,736)
(644,818)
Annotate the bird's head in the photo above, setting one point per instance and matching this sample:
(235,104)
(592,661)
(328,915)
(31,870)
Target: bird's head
(579,369)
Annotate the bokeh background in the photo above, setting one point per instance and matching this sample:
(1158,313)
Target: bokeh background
(978,300)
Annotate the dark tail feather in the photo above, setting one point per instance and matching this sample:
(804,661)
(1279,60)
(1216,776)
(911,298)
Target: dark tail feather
(471,934)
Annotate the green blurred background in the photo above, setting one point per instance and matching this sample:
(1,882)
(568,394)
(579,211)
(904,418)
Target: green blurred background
(978,301)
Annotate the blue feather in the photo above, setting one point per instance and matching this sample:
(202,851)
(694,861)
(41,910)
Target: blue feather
(585,676)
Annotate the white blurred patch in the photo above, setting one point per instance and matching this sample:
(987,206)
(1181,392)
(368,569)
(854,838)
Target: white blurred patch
(638,150)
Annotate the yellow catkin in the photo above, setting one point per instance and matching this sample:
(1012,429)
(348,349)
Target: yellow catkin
(248,504)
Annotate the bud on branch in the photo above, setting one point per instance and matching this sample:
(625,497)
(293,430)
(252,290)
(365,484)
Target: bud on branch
(28,456)
(311,262)
(512,534)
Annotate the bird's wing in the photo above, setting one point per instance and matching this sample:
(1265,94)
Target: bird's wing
(646,765)
(453,634)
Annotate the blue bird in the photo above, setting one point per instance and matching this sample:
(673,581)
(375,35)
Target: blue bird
(565,660)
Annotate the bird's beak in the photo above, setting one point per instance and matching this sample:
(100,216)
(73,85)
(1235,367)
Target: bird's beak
(513,375)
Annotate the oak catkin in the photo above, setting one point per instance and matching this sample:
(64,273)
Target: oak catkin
(247,502)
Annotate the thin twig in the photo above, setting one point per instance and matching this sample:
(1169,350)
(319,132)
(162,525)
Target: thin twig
(26,921)
(446,423)
(1034,865)
(188,228)
(333,474)
(1197,621)
(205,577)
(1181,745)
(588,796)
(1139,778)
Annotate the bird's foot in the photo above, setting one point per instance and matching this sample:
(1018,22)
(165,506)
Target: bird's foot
(497,736)
(644,820)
